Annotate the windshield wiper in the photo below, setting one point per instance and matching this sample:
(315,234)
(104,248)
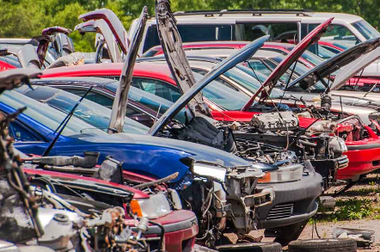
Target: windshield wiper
(63,124)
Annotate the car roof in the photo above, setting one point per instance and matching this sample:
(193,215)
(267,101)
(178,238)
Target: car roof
(230,16)
(222,53)
(90,81)
(146,68)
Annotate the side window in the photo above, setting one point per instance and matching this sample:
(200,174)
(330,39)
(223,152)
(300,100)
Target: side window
(159,88)
(337,34)
(93,96)
(279,32)
(21,134)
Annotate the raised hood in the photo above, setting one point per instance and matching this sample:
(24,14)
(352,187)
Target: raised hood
(266,88)
(356,66)
(171,43)
(45,39)
(114,24)
(101,27)
(353,56)
(119,107)
(239,56)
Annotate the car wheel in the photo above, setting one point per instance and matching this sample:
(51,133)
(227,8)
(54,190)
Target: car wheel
(323,245)
(252,247)
(286,234)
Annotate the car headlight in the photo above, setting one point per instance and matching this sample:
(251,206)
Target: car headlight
(209,171)
(338,145)
(153,207)
(284,174)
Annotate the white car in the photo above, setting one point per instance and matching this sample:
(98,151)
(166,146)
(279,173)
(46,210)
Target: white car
(282,26)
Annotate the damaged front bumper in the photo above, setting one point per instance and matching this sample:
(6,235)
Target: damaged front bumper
(294,202)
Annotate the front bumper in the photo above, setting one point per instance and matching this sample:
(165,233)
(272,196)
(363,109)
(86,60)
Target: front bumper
(328,168)
(294,202)
(181,228)
(364,158)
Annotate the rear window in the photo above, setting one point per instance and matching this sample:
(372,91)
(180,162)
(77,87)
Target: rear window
(192,33)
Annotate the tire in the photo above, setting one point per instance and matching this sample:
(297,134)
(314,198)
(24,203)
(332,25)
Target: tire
(323,245)
(251,247)
(286,234)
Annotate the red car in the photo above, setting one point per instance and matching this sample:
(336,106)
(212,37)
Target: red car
(308,58)
(180,225)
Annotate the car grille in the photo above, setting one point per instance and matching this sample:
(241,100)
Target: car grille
(281,211)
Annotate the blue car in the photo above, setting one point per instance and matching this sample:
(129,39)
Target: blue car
(35,129)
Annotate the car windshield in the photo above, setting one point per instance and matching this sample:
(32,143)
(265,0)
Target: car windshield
(311,57)
(367,30)
(325,53)
(92,113)
(299,71)
(158,104)
(46,115)
(223,94)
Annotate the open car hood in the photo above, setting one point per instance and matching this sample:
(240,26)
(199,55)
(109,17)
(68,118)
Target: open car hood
(266,88)
(356,66)
(171,43)
(45,39)
(119,107)
(28,57)
(239,56)
(100,26)
(349,56)
(114,24)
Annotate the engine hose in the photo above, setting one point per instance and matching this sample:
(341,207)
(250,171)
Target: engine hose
(161,244)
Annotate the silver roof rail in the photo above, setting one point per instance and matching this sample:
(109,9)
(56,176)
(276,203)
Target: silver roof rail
(254,12)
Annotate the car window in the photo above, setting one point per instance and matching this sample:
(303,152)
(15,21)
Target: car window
(158,104)
(260,67)
(44,114)
(281,32)
(192,33)
(90,112)
(367,30)
(92,96)
(339,33)
(223,94)
(326,52)
(21,134)
(159,88)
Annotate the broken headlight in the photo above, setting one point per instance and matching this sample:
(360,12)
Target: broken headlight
(338,145)
(155,206)
(209,171)
(284,174)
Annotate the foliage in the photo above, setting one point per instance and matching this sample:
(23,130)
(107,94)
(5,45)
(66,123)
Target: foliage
(26,18)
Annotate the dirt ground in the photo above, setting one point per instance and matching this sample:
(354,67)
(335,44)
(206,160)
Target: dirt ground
(366,190)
